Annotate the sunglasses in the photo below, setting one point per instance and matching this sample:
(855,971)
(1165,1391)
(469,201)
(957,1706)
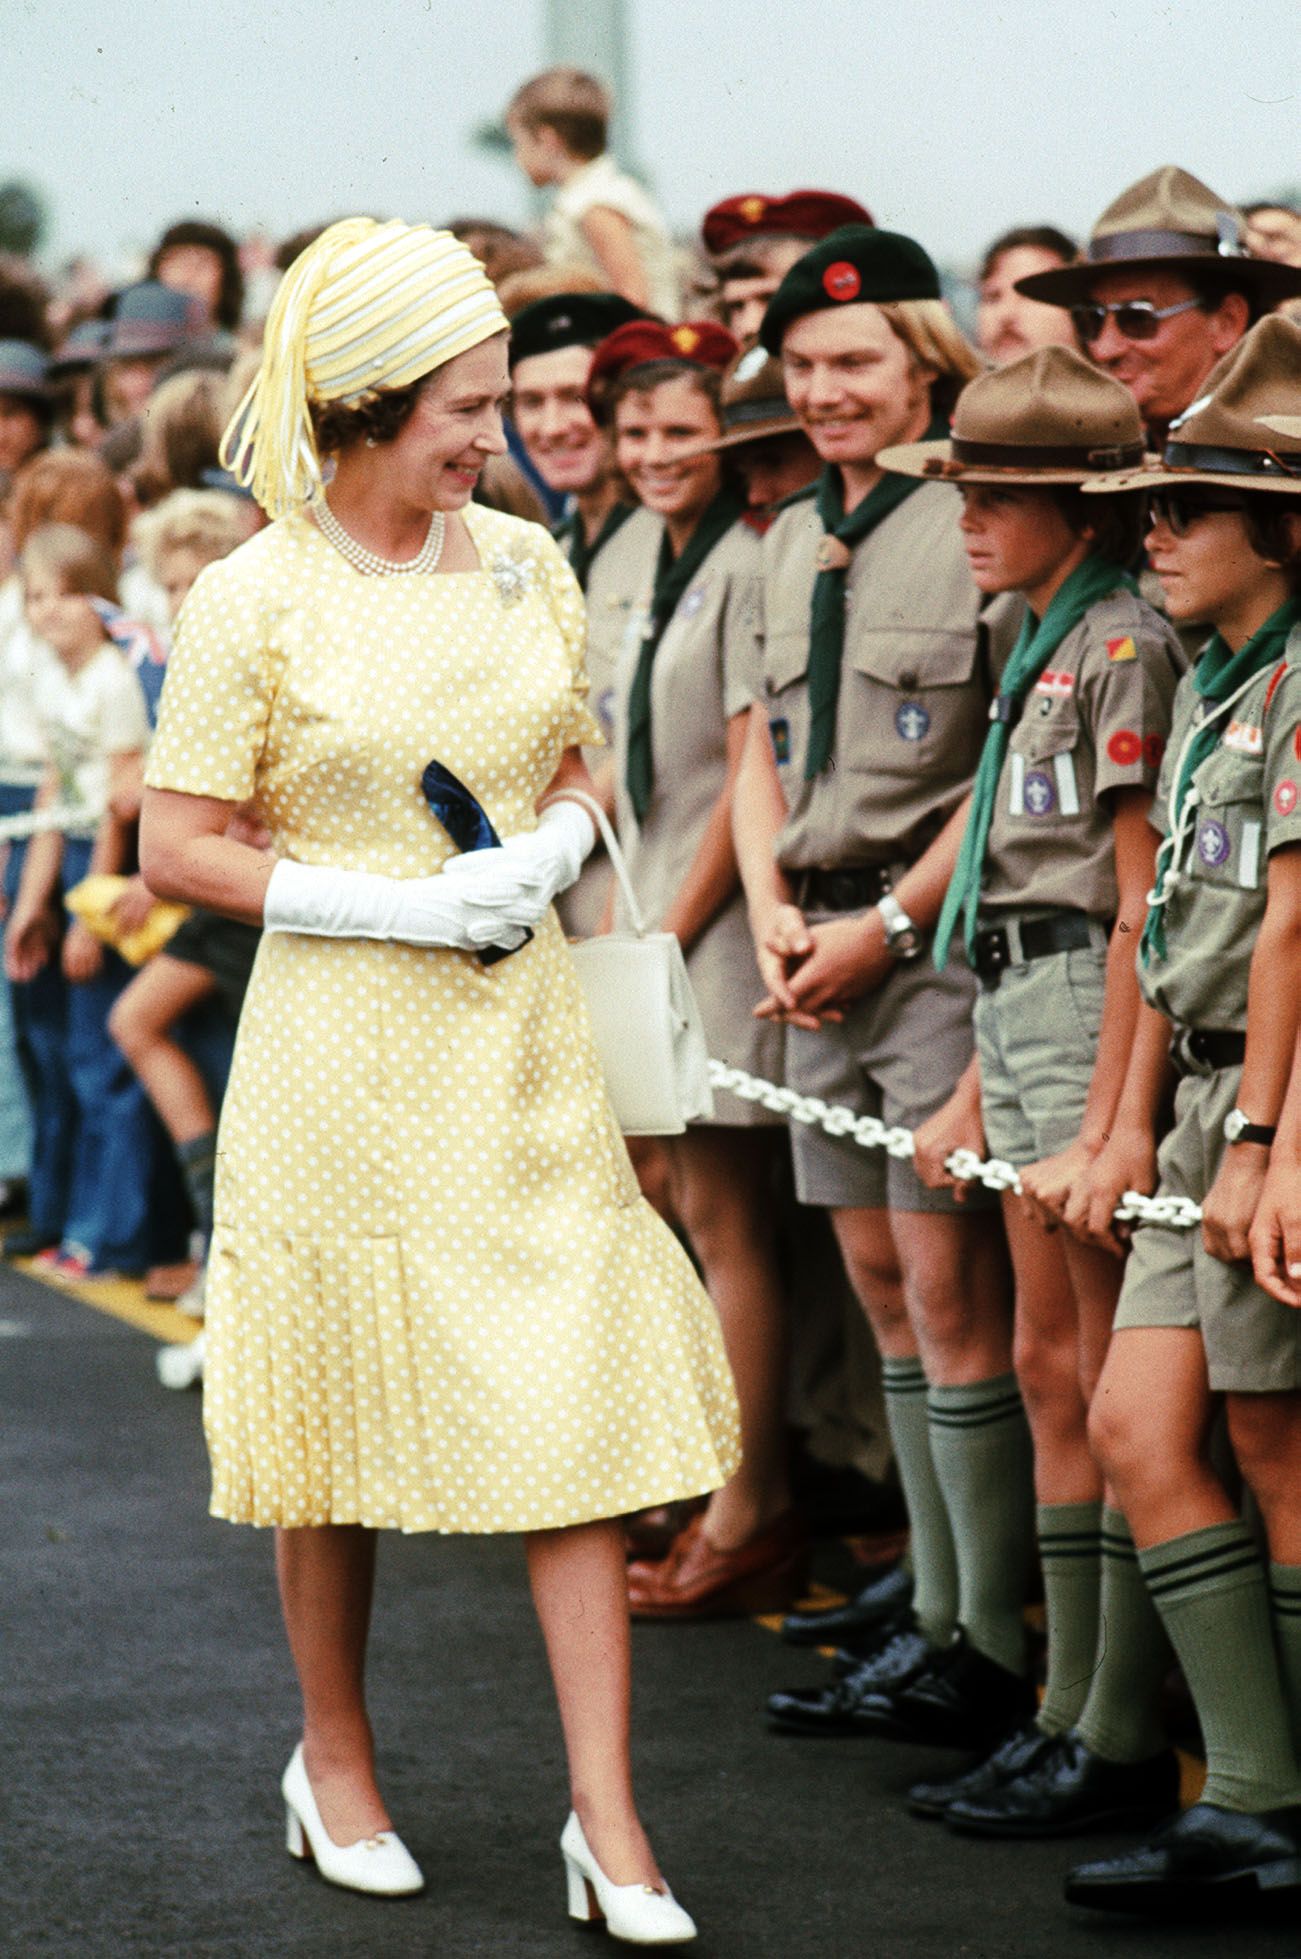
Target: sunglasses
(1136,319)
(1178,510)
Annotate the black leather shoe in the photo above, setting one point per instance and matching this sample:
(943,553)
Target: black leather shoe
(1205,1853)
(833,1710)
(960,1699)
(843,1625)
(1068,1789)
(1012,1756)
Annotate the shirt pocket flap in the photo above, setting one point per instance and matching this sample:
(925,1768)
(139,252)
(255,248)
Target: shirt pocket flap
(785,660)
(1228,778)
(911,658)
(1037,736)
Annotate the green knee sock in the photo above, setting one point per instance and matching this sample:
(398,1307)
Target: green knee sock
(983,1461)
(1121,1720)
(1285,1610)
(1070,1551)
(1209,1587)
(935,1571)
(198,1160)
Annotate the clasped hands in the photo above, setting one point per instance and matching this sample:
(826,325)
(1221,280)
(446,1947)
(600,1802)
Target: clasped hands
(813,972)
(481,898)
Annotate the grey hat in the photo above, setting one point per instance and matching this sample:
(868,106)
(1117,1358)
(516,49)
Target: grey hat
(24,370)
(149,319)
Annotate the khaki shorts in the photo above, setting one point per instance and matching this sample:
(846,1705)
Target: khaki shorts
(1037,1033)
(1253,1344)
(897,1055)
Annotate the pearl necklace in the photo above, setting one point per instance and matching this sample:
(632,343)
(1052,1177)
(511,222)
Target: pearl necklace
(426,558)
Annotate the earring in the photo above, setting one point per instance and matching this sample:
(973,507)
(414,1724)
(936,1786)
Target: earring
(371,443)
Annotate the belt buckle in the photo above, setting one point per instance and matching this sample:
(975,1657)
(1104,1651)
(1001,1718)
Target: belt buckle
(993,953)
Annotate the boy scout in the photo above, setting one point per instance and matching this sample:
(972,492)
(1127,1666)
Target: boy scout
(753,240)
(1218,963)
(1050,894)
(877,675)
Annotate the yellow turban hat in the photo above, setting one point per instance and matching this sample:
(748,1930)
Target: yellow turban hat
(366,306)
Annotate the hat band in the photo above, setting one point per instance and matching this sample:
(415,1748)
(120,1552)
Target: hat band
(1230,462)
(1025,455)
(1156,244)
(775,408)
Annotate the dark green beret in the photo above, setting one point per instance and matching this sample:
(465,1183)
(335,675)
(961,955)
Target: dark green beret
(569,319)
(857,264)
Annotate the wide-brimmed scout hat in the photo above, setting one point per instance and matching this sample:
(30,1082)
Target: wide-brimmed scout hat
(150,319)
(856,265)
(807,214)
(1050,417)
(753,404)
(1167,222)
(24,371)
(1236,434)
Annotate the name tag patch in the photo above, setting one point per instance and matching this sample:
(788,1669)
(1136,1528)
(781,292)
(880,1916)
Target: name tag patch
(780,731)
(1060,686)
(1244,739)
(911,721)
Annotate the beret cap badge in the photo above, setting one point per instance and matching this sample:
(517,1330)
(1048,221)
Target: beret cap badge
(841,281)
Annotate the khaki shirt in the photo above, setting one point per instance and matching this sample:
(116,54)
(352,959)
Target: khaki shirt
(1096,720)
(1249,804)
(617,583)
(922,652)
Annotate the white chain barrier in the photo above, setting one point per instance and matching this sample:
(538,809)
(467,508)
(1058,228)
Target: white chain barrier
(79,817)
(870,1133)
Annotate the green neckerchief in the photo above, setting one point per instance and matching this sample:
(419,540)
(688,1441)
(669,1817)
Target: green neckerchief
(569,533)
(1036,643)
(827,615)
(672,577)
(1217,676)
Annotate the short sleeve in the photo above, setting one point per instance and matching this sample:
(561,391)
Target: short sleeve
(743,645)
(124,714)
(1128,683)
(566,601)
(1282,779)
(216,698)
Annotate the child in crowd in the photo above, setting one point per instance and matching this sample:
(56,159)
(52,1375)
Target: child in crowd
(91,1159)
(558,123)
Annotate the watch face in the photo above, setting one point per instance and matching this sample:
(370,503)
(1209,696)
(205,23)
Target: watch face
(1234,1124)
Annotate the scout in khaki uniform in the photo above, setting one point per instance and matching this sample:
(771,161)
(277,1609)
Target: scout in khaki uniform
(878,669)
(1218,965)
(1050,895)
(683,687)
(753,240)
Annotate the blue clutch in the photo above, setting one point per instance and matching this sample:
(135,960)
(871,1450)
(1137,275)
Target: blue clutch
(468,824)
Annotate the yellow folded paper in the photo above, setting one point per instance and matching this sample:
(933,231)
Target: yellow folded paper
(92,902)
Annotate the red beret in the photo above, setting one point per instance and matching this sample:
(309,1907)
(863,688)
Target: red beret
(702,342)
(807,214)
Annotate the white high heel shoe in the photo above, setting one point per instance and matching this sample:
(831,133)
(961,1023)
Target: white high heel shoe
(381,1864)
(636,1913)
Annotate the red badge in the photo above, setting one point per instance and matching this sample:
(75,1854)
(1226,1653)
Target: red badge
(1285,797)
(1124,748)
(1153,750)
(841,280)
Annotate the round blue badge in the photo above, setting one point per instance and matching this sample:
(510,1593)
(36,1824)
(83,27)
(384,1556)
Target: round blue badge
(1212,843)
(911,721)
(1040,796)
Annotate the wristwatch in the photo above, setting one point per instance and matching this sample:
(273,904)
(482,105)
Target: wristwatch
(902,939)
(1238,1128)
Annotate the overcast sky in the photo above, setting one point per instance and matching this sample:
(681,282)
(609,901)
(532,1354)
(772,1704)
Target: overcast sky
(950,118)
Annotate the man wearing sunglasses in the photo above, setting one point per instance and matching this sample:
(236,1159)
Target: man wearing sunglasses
(1165,289)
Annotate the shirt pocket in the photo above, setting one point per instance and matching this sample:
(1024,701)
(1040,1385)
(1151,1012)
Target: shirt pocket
(786,697)
(1228,824)
(1042,777)
(906,701)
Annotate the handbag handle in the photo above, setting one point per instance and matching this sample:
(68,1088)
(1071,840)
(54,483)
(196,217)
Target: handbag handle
(611,842)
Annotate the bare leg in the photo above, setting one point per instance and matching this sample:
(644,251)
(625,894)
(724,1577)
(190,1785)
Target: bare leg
(1046,1350)
(723,1193)
(580,1589)
(327,1579)
(140,1020)
(955,1283)
(1265,1430)
(872,1266)
(1149,1424)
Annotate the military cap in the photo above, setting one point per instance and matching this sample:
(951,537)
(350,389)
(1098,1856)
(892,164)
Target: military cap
(24,371)
(701,342)
(1050,417)
(1169,222)
(857,263)
(569,319)
(149,319)
(1218,439)
(807,214)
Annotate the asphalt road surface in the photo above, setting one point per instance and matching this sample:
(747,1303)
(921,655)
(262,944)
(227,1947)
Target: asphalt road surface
(147,1709)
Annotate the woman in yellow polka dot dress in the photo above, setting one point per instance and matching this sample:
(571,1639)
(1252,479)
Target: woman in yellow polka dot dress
(436,1300)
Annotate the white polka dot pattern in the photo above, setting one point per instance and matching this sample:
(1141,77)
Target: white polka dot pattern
(436,1298)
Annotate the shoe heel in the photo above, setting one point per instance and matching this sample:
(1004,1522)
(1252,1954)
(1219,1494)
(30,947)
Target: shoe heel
(582,1898)
(295,1838)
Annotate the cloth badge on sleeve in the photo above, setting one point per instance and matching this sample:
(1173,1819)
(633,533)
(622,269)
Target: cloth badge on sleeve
(1059,685)
(1153,750)
(1212,843)
(911,721)
(1125,748)
(1040,796)
(692,602)
(1121,649)
(1243,739)
(1285,797)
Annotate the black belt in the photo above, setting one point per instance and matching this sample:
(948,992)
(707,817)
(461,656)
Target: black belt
(1213,1047)
(852,889)
(992,955)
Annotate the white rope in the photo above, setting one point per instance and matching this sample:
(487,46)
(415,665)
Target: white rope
(870,1133)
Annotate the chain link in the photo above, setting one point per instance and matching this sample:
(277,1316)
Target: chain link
(870,1133)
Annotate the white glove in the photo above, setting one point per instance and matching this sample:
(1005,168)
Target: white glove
(519,878)
(327,903)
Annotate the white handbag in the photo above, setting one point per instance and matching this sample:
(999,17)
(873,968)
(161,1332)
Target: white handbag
(645,1020)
